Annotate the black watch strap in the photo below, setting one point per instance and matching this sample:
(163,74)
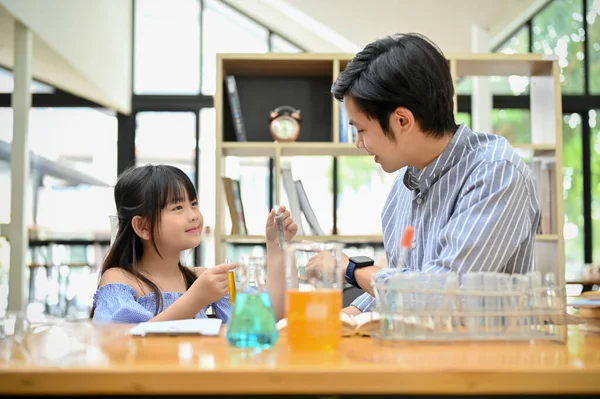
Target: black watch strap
(350,274)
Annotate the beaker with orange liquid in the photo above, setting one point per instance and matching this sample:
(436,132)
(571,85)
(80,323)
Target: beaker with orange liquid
(314,296)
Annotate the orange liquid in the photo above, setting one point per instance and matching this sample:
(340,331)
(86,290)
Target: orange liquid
(232,288)
(314,320)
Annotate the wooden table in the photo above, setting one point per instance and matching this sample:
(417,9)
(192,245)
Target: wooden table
(83,359)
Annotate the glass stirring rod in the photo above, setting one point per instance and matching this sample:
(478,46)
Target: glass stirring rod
(279,224)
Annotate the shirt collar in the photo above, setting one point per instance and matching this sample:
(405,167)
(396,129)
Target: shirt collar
(415,180)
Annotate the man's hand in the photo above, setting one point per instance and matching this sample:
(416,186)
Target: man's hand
(323,263)
(351,310)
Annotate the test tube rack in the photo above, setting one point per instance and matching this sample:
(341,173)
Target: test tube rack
(478,306)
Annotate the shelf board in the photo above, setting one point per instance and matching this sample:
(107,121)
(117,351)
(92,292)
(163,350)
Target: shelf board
(257,239)
(546,237)
(278,64)
(498,64)
(535,149)
(244,149)
(268,149)
(492,64)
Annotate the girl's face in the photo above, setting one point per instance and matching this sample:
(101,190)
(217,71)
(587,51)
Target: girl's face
(180,226)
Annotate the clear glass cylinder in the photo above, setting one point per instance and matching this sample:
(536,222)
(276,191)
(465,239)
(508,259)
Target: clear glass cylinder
(314,286)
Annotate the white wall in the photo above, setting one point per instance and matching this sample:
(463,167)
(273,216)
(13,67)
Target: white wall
(92,39)
(358,22)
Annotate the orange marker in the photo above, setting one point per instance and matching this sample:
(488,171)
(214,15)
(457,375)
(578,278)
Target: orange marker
(405,245)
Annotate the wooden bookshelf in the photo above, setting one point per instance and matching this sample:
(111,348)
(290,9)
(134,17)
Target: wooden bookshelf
(266,81)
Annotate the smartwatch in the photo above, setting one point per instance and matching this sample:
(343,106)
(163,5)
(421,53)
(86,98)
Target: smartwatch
(356,262)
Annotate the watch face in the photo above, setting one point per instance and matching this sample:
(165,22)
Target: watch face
(284,127)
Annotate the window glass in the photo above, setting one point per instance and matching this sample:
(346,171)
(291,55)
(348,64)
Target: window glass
(514,124)
(280,45)
(167,47)
(74,166)
(593,40)
(594,118)
(558,30)
(166,138)
(227,31)
(504,85)
(573,191)
(7,83)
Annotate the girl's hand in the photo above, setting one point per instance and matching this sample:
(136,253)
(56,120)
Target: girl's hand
(213,284)
(290,228)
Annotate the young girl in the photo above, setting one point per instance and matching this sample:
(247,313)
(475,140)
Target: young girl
(142,278)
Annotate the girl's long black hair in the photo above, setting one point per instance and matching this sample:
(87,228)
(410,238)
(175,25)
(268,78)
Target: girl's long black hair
(145,191)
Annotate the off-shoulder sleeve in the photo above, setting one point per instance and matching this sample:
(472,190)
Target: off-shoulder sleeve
(115,303)
(223,308)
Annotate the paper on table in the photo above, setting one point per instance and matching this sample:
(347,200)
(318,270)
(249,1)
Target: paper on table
(209,327)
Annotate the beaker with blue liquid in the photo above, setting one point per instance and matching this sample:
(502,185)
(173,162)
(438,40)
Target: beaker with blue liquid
(252,323)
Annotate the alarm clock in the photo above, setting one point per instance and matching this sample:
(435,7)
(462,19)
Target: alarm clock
(284,123)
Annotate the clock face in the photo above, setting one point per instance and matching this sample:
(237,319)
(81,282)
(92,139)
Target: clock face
(284,127)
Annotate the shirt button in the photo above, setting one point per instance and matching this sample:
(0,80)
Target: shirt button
(414,244)
(419,200)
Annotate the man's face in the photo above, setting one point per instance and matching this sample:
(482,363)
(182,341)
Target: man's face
(371,137)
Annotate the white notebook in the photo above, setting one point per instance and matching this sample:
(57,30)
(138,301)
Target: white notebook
(208,327)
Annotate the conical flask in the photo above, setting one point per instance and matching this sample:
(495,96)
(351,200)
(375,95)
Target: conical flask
(252,323)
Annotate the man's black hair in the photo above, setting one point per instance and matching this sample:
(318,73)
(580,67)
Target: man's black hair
(403,70)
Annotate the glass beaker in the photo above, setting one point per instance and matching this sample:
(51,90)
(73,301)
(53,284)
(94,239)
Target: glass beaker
(252,323)
(314,296)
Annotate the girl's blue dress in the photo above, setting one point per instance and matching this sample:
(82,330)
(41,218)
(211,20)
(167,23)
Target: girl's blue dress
(116,303)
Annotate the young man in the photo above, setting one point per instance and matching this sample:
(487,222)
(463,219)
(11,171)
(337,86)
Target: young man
(469,196)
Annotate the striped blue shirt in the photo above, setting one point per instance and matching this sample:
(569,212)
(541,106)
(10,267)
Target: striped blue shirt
(474,208)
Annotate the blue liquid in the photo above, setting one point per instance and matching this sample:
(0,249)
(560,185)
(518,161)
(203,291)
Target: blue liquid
(252,323)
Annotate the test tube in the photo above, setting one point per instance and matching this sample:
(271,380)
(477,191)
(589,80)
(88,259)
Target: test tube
(231,281)
(279,224)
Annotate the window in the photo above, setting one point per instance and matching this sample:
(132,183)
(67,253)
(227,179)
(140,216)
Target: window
(512,85)
(558,29)
(594,120)
(167,47)
(7,84)
(227,31)
(280,45)
(74,165)
(166,138)
(363,188)
(507,85)
(573,191)
(513,124)
(463,117)
(206,183)
(593,41)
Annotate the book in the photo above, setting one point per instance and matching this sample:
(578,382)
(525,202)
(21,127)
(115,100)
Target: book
(236,109)
(236,208)
(588,304)
(359,325)
(307,209)
(207,327)
(292,195)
